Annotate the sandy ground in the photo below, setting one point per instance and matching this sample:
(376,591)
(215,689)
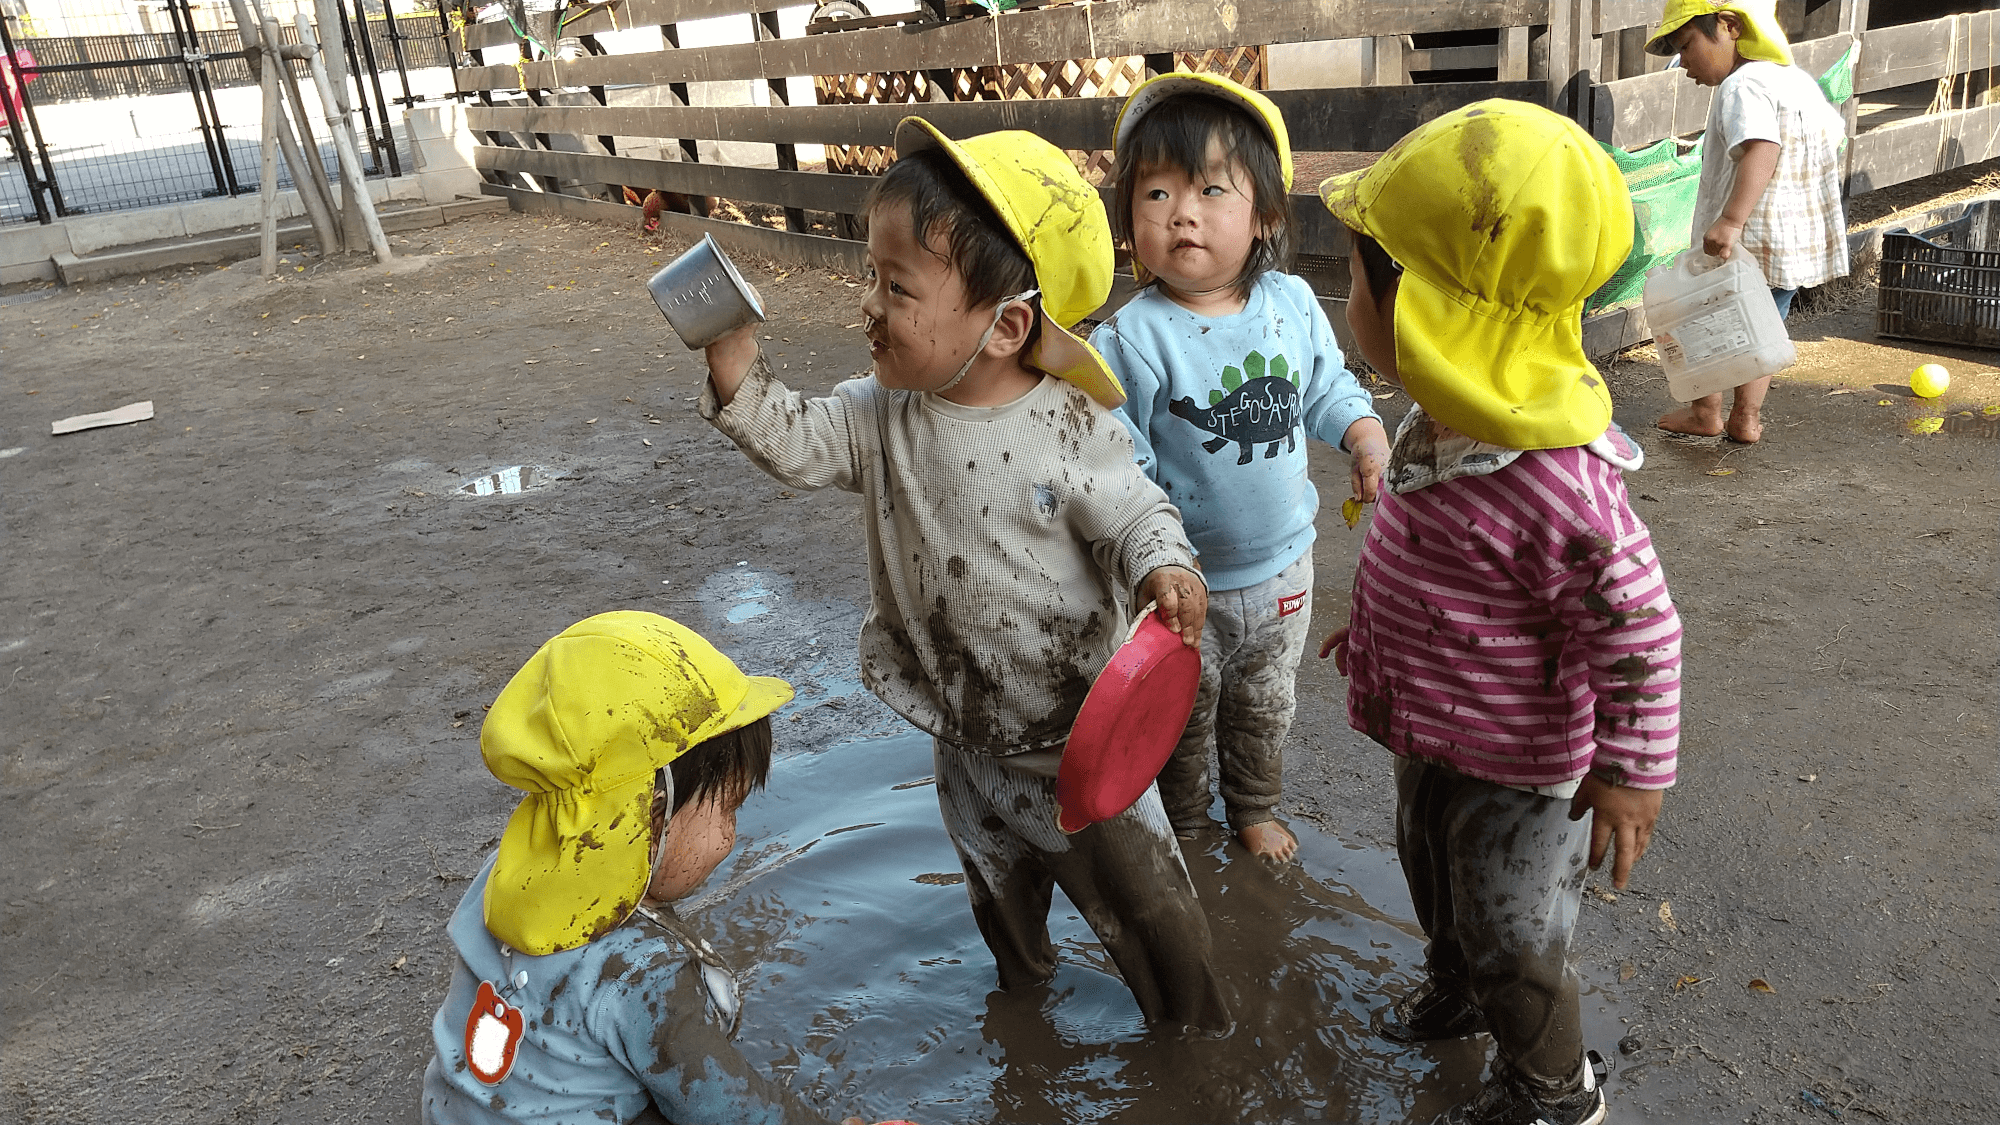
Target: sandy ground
(244,649)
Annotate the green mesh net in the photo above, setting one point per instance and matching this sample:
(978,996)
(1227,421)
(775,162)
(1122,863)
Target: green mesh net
(1662,178)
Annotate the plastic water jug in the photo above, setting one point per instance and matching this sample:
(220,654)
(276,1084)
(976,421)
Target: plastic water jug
(1715,323)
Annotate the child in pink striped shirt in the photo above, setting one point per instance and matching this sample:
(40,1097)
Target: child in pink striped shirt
(1512,638)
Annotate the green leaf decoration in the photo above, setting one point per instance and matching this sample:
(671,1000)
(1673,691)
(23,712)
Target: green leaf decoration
(1214,397)
(1282,368)
(1253,365)
(1232,378)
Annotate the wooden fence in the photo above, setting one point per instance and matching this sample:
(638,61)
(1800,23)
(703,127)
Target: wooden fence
(1582,57)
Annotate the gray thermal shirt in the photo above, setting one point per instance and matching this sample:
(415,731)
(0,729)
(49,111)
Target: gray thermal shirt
(1004,543)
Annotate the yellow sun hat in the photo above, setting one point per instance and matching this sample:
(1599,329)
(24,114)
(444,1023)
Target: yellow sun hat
(1159,88)
(1762,37)
(1504,217)
(582,727)
(1058,219)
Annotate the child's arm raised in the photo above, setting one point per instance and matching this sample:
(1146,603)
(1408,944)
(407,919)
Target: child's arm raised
(1753,174)
(806,443)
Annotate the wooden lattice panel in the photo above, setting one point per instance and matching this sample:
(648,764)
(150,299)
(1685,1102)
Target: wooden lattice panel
(1068,78)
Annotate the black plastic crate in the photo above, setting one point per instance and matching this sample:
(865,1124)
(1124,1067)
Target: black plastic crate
(1943,284)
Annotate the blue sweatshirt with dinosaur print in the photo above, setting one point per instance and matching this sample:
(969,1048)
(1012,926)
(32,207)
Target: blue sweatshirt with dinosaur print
(1219,409)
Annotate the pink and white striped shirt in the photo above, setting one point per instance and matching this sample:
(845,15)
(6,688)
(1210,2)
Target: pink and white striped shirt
(1516,627)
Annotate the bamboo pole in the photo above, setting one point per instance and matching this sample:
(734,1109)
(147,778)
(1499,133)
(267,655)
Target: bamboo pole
(312,191)
(350,160)
(330,19)
(267,175)
(274,48)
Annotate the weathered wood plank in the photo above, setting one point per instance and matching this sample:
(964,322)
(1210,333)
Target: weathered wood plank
(1923,146)
(1615,15)
(820,191)
(836,254)
(1108,29)
(1924,52)
(625,16)
(1631,112)
(1353,119)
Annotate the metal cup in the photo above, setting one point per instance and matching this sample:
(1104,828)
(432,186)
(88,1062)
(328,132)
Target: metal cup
(703,296)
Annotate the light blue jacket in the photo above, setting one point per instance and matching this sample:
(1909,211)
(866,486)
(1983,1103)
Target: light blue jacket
(608,1026)
(1219,408)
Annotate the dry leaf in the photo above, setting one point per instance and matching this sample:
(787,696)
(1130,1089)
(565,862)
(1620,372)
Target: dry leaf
(1759,984)
(1667,916)
(1627,971)
(645,441)
(1687,982)
(1720,472)
(590,421)
(1350,510)
(400,962)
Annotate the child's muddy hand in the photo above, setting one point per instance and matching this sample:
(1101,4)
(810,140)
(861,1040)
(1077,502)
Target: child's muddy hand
(1368,455)
(1183,601)
(1623,822)
(729,360)
(1336,643)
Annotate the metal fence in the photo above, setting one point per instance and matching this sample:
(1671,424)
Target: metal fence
(104,122)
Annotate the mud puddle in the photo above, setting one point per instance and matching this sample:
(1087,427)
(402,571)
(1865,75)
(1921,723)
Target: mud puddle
(867,985)
(505,482)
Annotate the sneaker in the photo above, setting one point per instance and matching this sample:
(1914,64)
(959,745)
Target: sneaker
(1430,1013)
(1505,1101)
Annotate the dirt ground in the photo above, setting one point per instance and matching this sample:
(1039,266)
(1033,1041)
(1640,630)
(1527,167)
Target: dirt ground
(245,646)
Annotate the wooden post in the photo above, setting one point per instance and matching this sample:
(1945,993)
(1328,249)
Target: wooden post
(670,33)
(1513,54)
(330,239)
(265,53)
(765,26)
(1568,77)
(328,13)
(1387,66)
(267,175)
(350,160)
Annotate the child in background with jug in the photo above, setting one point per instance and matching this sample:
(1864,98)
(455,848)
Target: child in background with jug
(1770,171)
(1512,641)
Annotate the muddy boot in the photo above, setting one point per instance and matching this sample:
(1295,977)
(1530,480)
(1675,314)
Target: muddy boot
(1506,1100)
(1431,1012)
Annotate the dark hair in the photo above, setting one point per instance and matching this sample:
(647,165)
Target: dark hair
(1377,266)
(1706,23)
(944,206)
(727,767)
(1176,134)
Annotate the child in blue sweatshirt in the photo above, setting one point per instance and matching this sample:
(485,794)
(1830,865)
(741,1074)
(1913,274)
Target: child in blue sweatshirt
(1228,364)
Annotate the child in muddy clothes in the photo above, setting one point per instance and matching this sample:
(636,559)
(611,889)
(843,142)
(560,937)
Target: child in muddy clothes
(1007,525)
(1229,364)
(1770,172)
(579,995)
(1512,641)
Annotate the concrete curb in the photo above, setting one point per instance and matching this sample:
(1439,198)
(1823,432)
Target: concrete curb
(238,245)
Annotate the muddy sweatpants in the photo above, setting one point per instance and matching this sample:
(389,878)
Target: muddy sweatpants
(1496,875)
(1250,651)
(1125,875)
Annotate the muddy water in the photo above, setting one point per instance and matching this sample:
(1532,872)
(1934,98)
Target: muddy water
(867,985)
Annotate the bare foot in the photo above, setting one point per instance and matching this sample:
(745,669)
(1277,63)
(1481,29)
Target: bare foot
(1745,428)
(1270,840)
(1692,420)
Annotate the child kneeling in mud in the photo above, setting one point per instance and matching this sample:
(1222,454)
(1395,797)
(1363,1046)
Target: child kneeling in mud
(1007,527)
(579,995)
(1512,640)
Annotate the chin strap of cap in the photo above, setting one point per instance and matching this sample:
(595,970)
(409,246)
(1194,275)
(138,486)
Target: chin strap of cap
(986,337)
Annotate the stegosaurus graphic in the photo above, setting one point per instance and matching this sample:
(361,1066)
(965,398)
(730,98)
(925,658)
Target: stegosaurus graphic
(1261,408)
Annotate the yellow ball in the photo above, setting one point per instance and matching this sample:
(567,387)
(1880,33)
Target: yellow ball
(1930,380)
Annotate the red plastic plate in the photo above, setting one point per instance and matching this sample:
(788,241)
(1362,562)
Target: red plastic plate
(1129,725)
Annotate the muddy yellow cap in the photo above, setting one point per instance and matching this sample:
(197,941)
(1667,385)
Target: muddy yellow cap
(1504,217)
(1160,87)
(581,727)
(1762,36)
(1058,220)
